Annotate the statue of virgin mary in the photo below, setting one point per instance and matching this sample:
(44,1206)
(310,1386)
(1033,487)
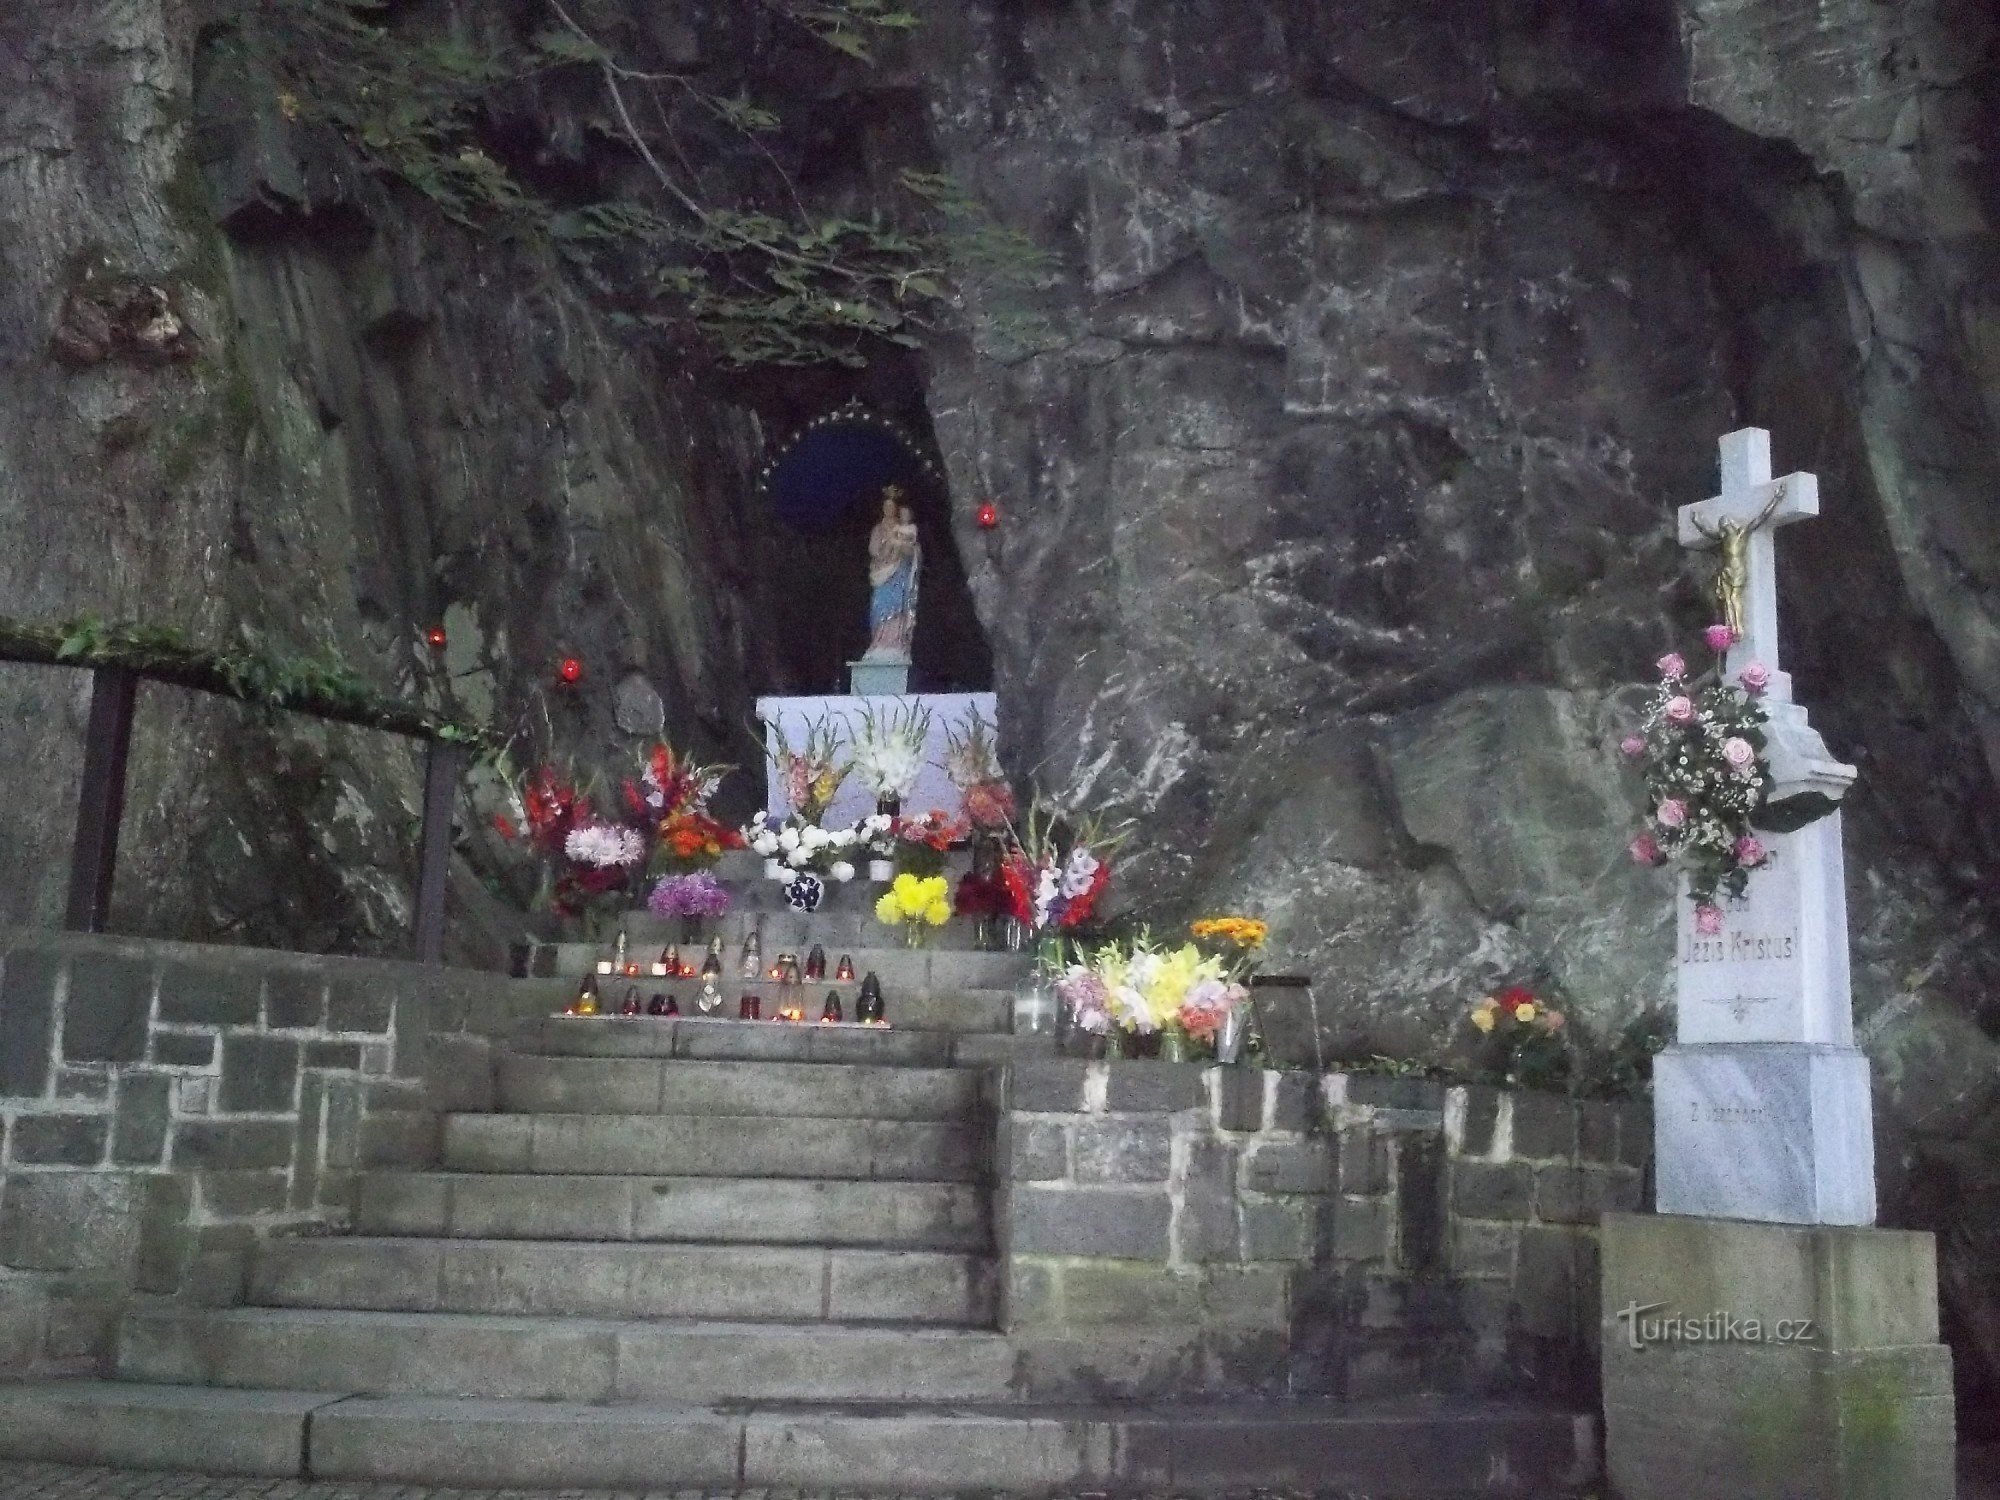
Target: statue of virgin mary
(894,559)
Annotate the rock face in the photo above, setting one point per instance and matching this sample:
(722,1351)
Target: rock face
(1335,459)
(1381,342)
(357,425)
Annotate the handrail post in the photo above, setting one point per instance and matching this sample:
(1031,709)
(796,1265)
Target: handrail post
(444,763)
(100,802)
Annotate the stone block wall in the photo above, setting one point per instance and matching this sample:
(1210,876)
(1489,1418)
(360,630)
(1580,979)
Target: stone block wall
(163,1104)
(1175,1228)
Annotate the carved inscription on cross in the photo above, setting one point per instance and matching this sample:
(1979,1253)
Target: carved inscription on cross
(1740,523)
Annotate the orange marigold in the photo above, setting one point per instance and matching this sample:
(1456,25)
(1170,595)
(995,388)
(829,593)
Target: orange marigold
(1244,932)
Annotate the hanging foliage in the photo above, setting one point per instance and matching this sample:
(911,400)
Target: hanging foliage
(755,275)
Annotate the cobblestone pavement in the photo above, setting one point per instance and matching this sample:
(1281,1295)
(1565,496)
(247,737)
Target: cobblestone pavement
(1979,1471)
(26,1481)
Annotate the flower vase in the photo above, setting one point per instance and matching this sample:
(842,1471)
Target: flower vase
(881,871)
(804,892)
(690,930)
(889,807)
(1229,1036)
(1174,1045)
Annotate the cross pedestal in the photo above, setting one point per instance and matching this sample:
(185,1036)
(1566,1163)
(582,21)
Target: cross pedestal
(1758,1337)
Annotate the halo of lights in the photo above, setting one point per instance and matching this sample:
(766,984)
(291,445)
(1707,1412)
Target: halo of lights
(845,453)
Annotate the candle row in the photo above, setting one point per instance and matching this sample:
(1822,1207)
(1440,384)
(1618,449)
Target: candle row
(671,964)
(869,1008)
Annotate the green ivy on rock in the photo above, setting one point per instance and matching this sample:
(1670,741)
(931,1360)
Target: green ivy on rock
(321,686)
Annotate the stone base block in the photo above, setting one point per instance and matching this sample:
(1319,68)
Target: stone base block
(888,677)
(1745,1361)
(1779,1133)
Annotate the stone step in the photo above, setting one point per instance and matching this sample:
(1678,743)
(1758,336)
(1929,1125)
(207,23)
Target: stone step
(834,926)
(957,1012)
(656,1210)
(738,1041)
(1416,1448)
(642,1086)
(715,1145)
(933,971)
(733,1041)
(559,1359)
(795,1284)
(740,868)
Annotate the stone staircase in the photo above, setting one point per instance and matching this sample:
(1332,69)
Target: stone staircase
(706,1253)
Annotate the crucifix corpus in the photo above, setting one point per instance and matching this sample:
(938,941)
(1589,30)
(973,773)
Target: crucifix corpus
(1740,525)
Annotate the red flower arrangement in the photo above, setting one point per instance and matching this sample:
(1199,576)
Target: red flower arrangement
(979,896)
(587,859)
(670,796)
(921,843)
(1056,875)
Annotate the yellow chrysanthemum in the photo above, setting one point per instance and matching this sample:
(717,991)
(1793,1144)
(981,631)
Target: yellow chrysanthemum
(888,910)
(1524,1012)
(938,913)
(1483,1016)
(908,891)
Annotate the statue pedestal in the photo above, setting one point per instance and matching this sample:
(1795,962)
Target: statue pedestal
(884,677)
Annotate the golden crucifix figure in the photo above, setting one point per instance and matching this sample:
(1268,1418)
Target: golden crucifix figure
(1732,573)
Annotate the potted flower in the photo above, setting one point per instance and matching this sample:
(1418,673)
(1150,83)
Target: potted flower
(875,841)
(1139,991)
(694,896)
(916,903)
(587,862)
(1055,877)
(888,753)
(1521,1037)
(981,896)
(922,843)
(973,765)
(802,855)
(810,772)
(1236,941)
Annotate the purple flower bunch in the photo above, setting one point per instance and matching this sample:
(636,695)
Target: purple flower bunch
(696,895)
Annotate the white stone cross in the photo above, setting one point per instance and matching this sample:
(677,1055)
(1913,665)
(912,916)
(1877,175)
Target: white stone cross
(1747,489)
